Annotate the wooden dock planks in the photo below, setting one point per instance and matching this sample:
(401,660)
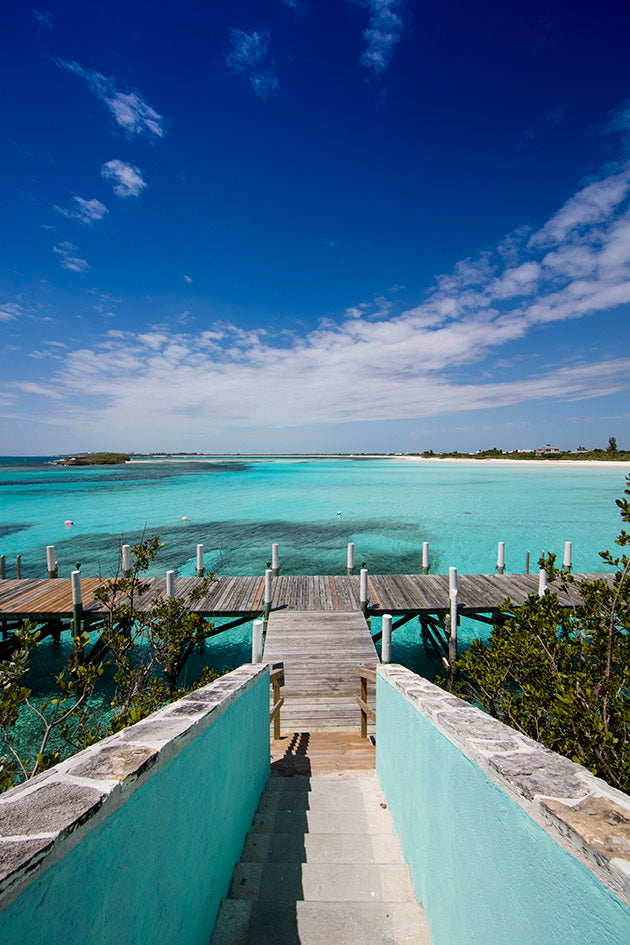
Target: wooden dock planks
(238,596)
(320,651)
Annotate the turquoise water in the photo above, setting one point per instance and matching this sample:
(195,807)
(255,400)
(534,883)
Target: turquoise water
(237,507)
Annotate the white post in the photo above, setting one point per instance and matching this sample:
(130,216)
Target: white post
(200,570)
(51,563)
(126,561)
(257,641)
(386,639)
(350,560)
(425,557)
(268,593)
(363,589)
(275,560)
(501,558)
(170,584)
(568,551)
(452,581)
(452,637)
(77,602)
(542,582)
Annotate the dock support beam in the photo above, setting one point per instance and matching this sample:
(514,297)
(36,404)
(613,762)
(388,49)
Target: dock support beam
(275,560)
(200,567)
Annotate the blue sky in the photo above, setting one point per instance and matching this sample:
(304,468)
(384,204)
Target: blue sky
(289,225)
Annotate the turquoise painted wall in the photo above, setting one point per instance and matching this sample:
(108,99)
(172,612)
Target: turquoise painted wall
(486,873)
(154,872)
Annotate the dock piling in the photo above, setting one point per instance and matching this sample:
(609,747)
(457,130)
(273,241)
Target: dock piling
(268,593)
(568,551)
(501,558)
(452,620)
(3,567)
(425,557)
(126,561)
(386,640)
(18,566)
(200,567)
(51,562)
(527,562)
(170,584)
(77,601)
(275,560)
(350,558)
(542,582)
(363,590)
(257,641)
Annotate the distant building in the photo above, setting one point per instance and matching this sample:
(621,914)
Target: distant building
(546,450)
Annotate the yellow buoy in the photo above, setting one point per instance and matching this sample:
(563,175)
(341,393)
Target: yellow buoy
(184,518)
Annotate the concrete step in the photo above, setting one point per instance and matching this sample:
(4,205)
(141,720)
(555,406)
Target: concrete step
(364,781)
(344,798)
(322,848)
(243,922)
(375,820)
(322,882)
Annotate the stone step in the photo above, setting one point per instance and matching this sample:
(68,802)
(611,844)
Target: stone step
(322,848)
(361,781)
(243,922)
(322,882)
(374,820)
(343,798)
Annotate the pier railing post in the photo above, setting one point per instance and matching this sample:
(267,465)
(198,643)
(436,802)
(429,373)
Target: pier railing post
(350,558)
(268,594)
(386,639)
(425,557)
(3,567)
(170,584)
(126,561)
(566,561)
(51,562)
(18,566)
(200,567)
(363,590)
(501,558)
(77,601)
(275,560)
(542,582)
(257,641)
(527,562)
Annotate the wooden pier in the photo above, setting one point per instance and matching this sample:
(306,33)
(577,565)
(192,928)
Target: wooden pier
(320,651)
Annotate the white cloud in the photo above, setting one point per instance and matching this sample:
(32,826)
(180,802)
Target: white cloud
(69,258)
(85,211)
(249,54)
(126,179)
(43,18)
(383,31)
(593,204)
(30,387)
(187,279)
(9,311)
(129,109)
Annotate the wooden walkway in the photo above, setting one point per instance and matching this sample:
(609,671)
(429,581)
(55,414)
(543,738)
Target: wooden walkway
(48,599)
(320,651)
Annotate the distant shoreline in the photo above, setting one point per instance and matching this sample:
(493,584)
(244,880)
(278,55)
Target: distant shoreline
(406,457)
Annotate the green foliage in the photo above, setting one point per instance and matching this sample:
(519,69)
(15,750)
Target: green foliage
(148,648)
(612,445)
(95,459)
(562,676)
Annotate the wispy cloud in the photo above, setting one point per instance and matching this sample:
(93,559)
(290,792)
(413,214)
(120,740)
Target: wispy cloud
(126,179)
(42,390)
(39,154)
(43,18)
(87,212)
(384,29)
(297,6)
(10,311)
(187,279)
(129,109)
(249,54)
(69,258)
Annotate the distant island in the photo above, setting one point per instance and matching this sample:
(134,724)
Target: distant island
(95,459)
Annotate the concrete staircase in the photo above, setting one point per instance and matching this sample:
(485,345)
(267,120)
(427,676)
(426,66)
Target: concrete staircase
(322,866)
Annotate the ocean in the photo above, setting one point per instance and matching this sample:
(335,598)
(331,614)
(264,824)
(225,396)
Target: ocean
(311,506)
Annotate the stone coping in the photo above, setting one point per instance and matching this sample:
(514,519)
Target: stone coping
(583,813)
(43,819)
